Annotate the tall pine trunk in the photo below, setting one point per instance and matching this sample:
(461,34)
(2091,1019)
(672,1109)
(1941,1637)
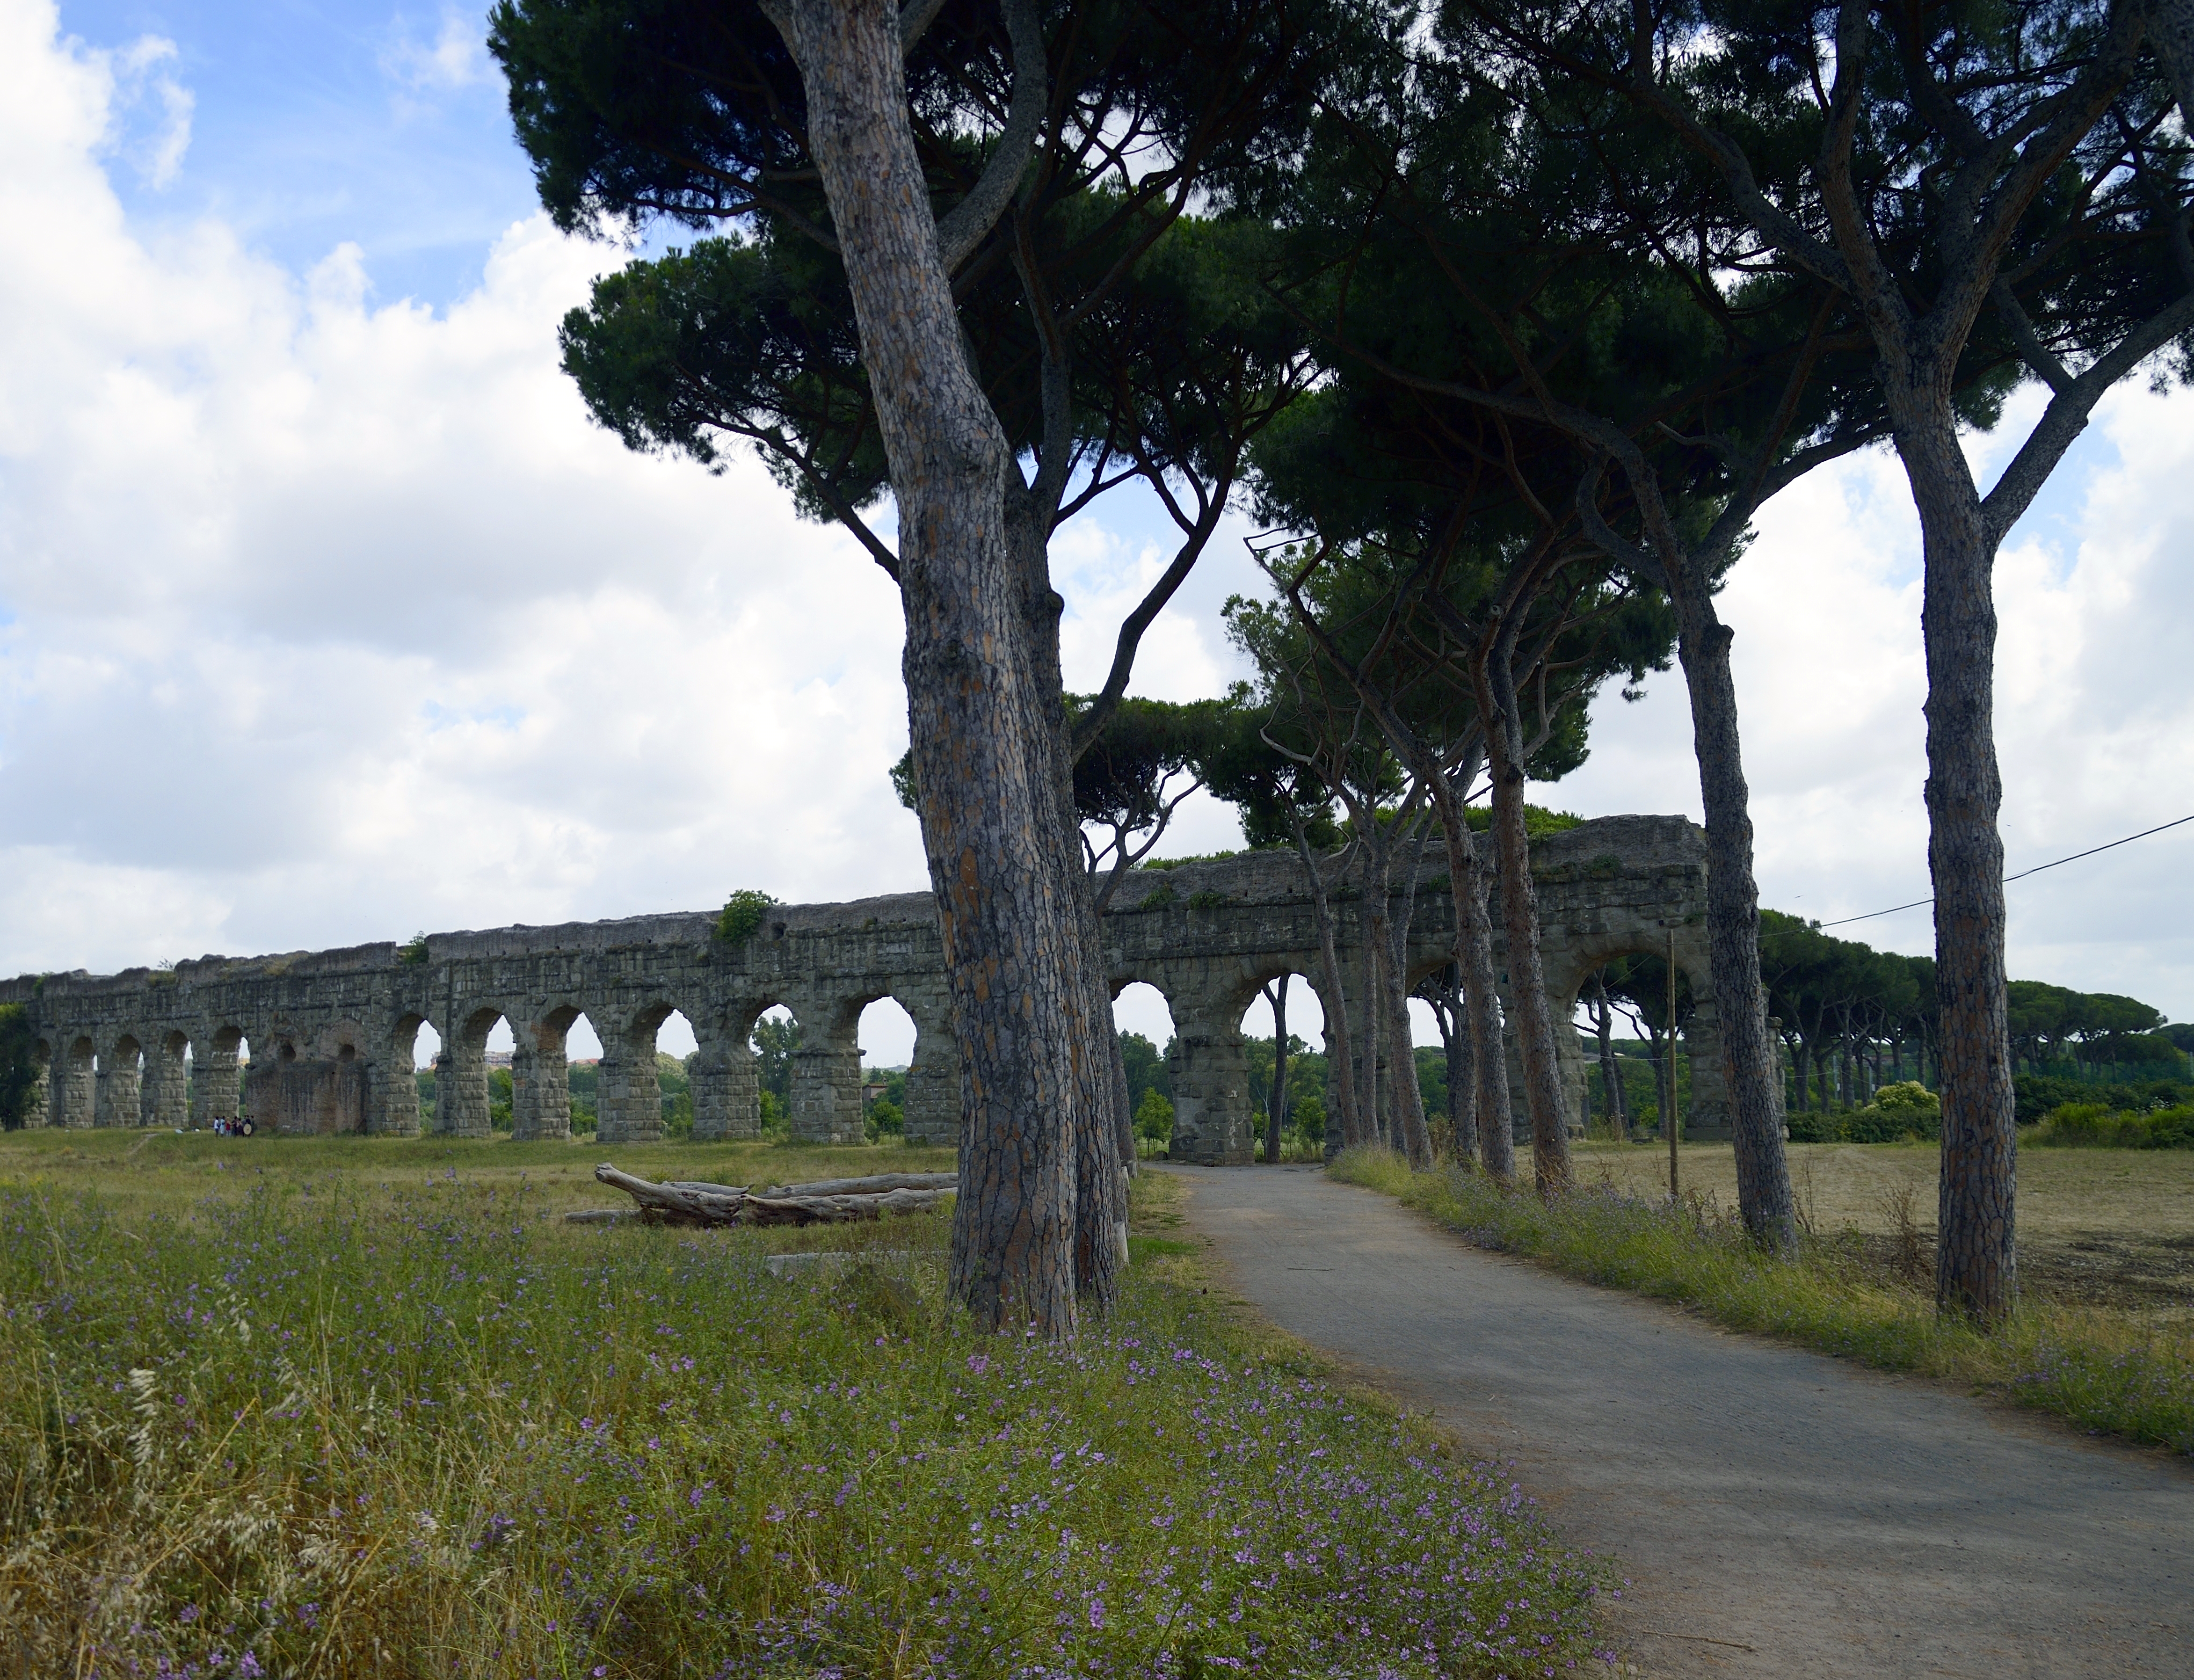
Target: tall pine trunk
(1372,1037)
(1976,1256)
(1469,886)
(1276,1106)
(1104,1136)
(1337,1046)
(981,722)
(1763,1170)
(1519,921)
(1462,1071)
(1413,1137)
(1611,1077)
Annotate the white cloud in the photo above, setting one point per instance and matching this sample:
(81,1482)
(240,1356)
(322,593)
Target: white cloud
(2095,710)
(321,622)
(455,58)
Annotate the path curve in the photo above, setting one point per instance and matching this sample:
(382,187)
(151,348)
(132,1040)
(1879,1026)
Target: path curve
(1778,1513)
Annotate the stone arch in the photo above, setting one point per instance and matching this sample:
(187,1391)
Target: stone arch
(726,1082)
(541,1075)
(39,1103)
(461,1098)
(629,1095)
(826,1068)
(218,1073)
(76,1099)
(393,1097)
(120,1083)
(167,1093)
(1570,963)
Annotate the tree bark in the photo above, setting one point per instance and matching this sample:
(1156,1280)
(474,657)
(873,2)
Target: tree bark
(1104,1136)
(980,723)
(1611,1077)
(1461,1071)
(1469,883)
(1520,920)
(1371,929)
(1336,1001)
(1276,1106)
(1763,1170)
(1976,1263)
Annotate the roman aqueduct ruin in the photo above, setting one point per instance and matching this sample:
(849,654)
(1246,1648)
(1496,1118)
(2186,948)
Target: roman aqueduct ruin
(331,1033)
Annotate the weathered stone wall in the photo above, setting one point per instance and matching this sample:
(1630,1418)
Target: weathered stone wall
(331,1033)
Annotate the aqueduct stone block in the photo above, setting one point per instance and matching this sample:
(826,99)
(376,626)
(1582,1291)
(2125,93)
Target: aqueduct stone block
(331,1033)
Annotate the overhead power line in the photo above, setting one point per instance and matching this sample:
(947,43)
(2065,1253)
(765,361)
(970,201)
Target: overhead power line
(1869,916)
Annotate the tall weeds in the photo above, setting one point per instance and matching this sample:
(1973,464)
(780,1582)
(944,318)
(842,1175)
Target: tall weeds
(432,1433)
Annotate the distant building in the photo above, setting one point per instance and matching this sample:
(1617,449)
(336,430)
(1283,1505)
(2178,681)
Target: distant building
(499,1058)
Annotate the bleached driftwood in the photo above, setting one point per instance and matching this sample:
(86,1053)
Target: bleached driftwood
(873,1184)
(825,1202)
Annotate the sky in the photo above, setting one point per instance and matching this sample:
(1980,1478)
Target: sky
(327,616)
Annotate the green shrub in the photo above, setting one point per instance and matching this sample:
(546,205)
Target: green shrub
(742,915)
(885,1119)
(2095,1125)
(1154,1116)
(1809,1125)
(776,1121)
(2039,1094)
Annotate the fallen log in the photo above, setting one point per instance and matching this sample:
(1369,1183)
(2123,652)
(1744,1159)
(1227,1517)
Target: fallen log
(835,1210)
(667,1202)
(873,1183)
(823,1203)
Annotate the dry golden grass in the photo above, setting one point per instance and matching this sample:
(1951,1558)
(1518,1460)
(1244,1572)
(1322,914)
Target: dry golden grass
(169,1172)
(2108,1227)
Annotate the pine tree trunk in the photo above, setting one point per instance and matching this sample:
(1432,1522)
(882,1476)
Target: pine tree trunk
(1976,1263)
(1409,1100)
(1468,884)
(1461,1073)
(1610,1078)
(1104,1137)
(1653,1043)
(1337,1048)
(1763,1171)
(1371,1039)
(980,723)
(1520,922)
(1277,1107)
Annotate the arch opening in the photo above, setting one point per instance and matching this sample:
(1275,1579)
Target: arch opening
(1288,1077)
(888,1036)
(676,1050)
(773,1040)
(1143,1018)
(1625,1059)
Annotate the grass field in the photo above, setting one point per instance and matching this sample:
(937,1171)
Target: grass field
(346,1406)
(2110,1227)
(1862,1282)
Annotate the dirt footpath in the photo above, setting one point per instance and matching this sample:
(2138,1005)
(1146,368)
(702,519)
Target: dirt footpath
(1778,1513)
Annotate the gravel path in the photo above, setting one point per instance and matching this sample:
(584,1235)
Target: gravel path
(1778,1513)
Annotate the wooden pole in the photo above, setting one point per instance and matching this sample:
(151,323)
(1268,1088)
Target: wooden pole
(1669,1119)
